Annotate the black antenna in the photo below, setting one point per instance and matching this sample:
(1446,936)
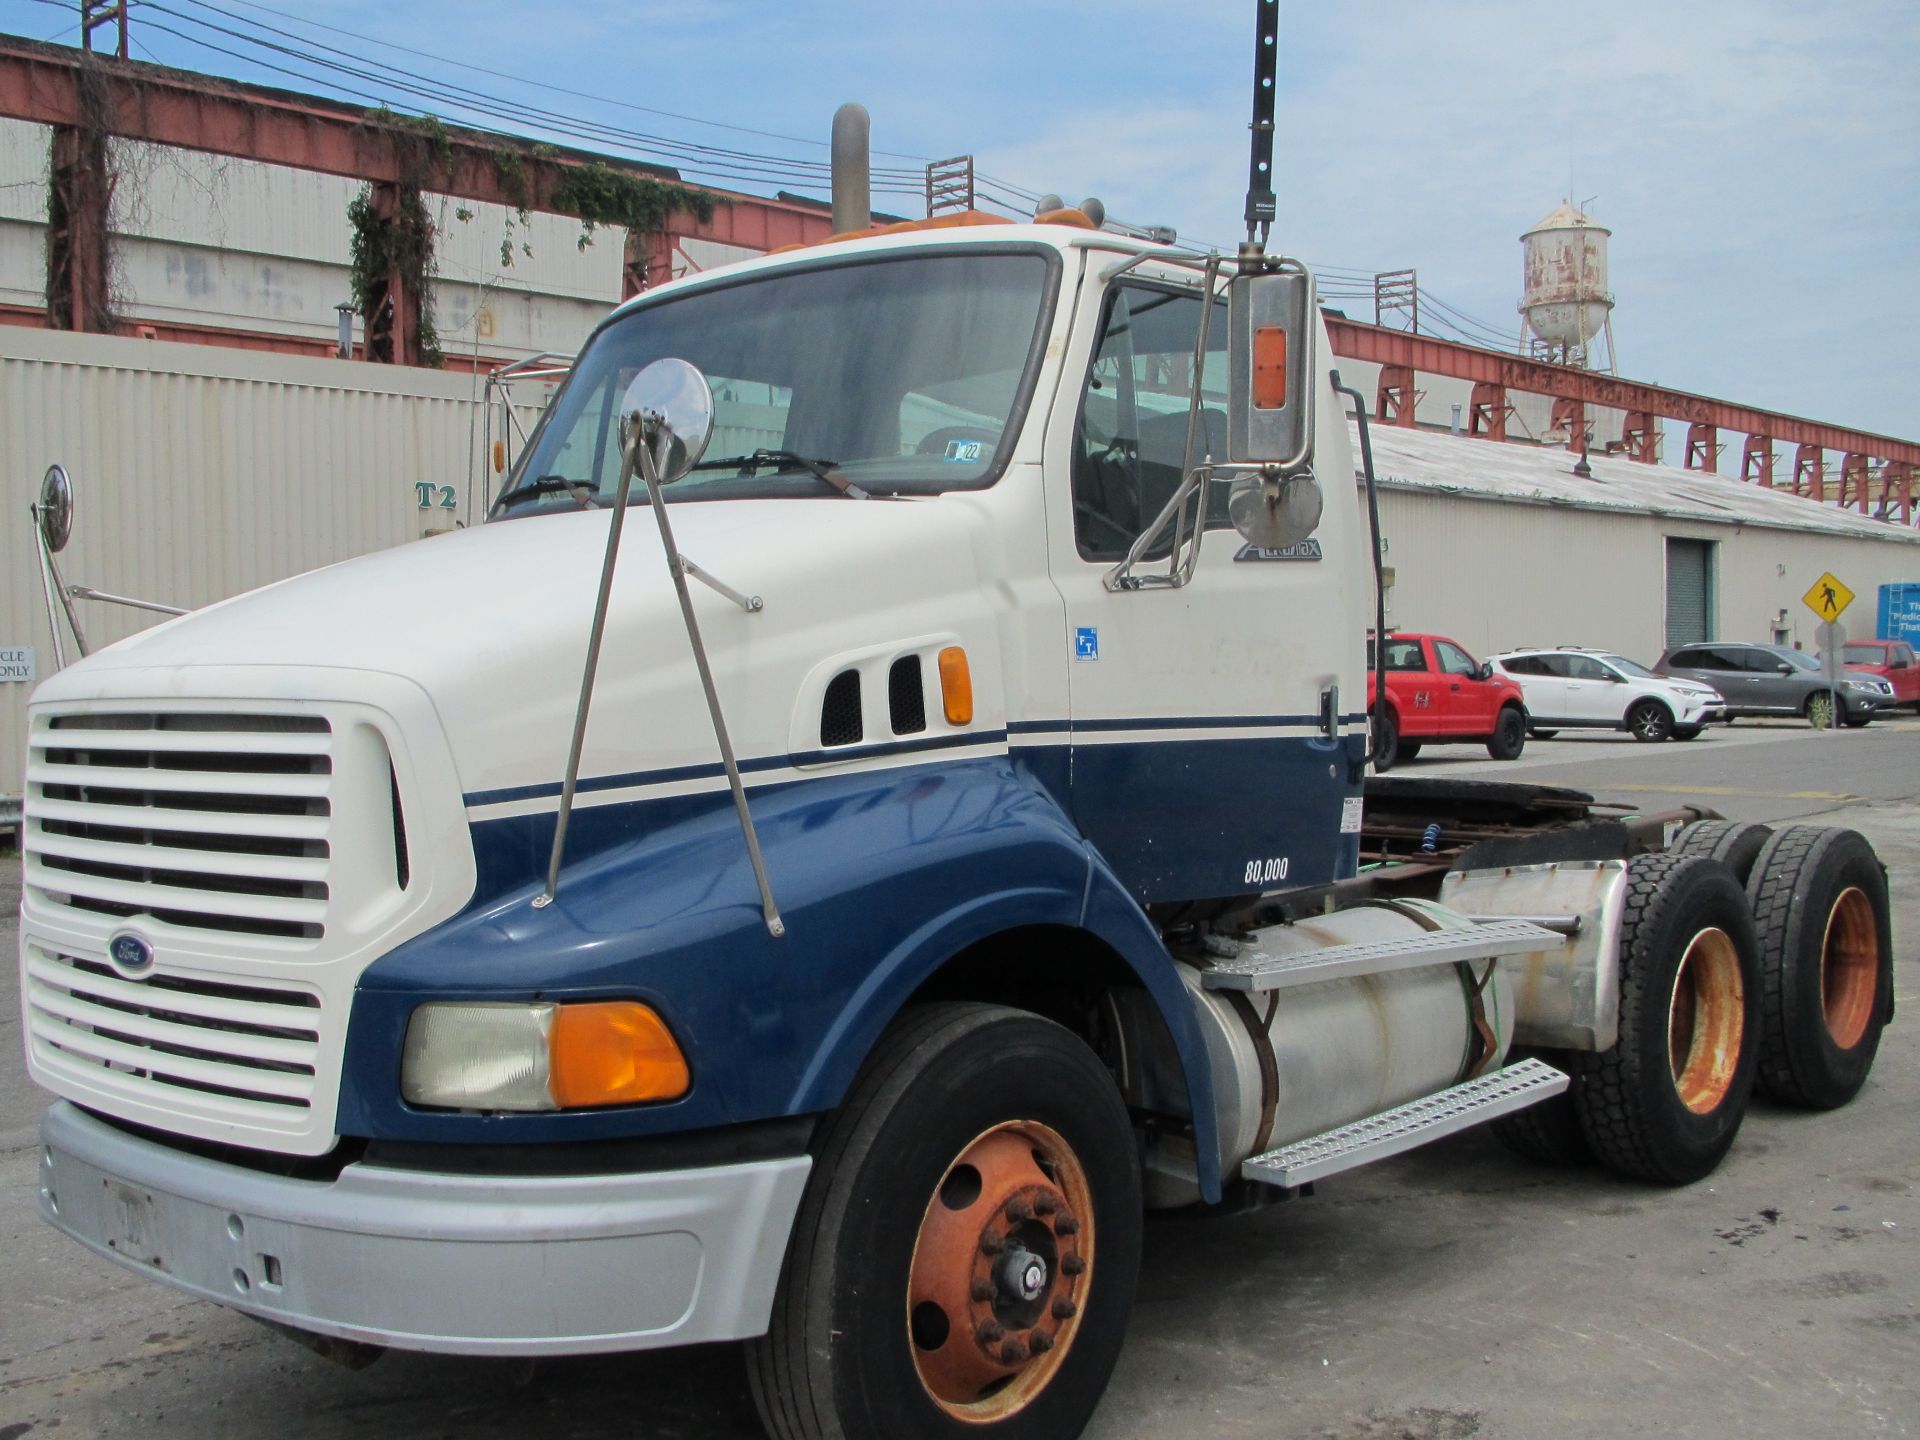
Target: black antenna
(1266,56)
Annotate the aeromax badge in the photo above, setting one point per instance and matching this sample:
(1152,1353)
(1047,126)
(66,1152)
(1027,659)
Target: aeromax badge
(130,954)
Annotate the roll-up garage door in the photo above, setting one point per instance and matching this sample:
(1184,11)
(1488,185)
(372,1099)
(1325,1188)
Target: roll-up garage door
(1689,591)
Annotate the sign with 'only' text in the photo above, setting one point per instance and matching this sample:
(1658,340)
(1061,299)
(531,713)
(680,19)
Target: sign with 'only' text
(16,663)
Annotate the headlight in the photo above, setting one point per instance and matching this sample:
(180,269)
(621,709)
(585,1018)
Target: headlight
(487,1056)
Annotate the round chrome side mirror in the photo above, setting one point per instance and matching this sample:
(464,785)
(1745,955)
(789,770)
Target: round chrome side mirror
(54,509)
(1273,512)
(669,407)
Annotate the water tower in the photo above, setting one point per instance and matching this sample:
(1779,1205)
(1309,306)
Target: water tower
(1566,308)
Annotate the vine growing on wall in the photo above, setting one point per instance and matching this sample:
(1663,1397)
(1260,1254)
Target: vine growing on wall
(394,241)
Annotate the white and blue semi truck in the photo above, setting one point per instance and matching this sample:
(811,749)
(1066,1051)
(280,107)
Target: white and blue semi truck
(887,806)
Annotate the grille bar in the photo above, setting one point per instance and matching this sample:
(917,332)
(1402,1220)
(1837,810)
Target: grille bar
(148,1062)
(147,898)
(143,1025)
(240,824)
(204,1003)
(184,782)
(162,857)
(188,742)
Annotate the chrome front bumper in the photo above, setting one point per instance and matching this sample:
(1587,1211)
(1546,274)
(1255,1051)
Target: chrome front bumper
(463,1264)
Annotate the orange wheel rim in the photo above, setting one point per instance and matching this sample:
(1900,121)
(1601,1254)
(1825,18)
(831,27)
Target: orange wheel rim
(1849,967)
(1706,1020)
(1000,1272)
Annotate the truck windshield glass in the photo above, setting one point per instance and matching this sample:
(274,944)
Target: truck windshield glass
(905,376)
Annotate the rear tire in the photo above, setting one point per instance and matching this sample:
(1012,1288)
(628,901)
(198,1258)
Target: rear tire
(1650,721)
(975,1137)
(1734,844)
(1408,750)
(1665,1102)
(1509,736)
(1819,900)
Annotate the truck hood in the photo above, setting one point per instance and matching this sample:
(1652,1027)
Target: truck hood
(492,623)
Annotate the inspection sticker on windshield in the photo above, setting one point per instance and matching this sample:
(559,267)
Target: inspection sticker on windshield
(1086,643)
(1350,815)
(967,452)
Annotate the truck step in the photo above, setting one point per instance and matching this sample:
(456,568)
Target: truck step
(1407,1127)
(1257,970)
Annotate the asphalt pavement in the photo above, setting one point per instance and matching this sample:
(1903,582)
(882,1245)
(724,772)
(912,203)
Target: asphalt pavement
(1456,1292)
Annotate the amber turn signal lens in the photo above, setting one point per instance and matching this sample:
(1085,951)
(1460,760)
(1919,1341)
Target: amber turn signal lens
(1270,368)
(499,456)
(956,686)
(615,1052)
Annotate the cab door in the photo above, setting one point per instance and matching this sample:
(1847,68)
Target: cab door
(1216,728)
(1595,695)
(1470,703)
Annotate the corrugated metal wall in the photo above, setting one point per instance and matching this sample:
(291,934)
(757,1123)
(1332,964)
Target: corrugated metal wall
(1501,574)
(203,472)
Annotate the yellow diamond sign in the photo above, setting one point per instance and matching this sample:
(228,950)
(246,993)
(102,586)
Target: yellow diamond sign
(1828,598)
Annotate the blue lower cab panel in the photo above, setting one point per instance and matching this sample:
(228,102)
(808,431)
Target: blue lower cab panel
(1200,819)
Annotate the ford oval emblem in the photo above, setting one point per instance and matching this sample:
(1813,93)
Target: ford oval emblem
(131,954)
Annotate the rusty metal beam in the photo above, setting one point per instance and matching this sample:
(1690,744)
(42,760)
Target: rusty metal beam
(164,106)
(1640,436)
(1703,446)
(1489,412)
(1395,400)
(1810,471)
(1356,340)
(1571,416)
(78,258)
(1756,461)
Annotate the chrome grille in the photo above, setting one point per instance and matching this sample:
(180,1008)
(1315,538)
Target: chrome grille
(213,1046)
(206,821)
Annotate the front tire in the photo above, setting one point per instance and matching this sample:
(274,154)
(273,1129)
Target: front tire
(1650,721)
(964,1260)
(1665,1102)
(1509,734)
(1686,732)
(1819,901)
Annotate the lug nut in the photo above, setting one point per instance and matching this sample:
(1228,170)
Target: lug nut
(1013,1352)
(1041,1342)
(991,1243)
(1018,1210)
(1044,1204)
(989,1331)
(1065,1309)
(1071,1264)
(982,1290)
(1065,1224)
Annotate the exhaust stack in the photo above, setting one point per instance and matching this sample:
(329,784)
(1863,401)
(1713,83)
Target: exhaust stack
(852,192)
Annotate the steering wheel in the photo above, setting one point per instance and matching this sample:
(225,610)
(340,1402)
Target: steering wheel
(935,442)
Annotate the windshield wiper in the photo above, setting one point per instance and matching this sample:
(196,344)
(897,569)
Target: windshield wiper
(581,490)
(759,460)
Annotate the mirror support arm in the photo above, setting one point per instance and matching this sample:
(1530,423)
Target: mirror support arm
(678,566)
(55,585)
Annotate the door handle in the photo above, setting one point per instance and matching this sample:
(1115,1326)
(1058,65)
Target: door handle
(1456,686)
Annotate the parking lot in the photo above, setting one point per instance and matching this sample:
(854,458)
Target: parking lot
(1454,1292)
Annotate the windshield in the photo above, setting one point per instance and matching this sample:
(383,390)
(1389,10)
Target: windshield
(903,375)
(1631,667)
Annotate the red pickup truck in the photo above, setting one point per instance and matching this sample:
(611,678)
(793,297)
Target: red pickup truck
(1438,694)
(1893,661)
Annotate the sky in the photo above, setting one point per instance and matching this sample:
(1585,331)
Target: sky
(1758,161)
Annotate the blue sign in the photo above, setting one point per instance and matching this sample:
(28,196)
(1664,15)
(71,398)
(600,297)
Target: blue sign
(1086,643)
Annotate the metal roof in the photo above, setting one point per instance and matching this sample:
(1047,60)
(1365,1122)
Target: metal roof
(1438,462)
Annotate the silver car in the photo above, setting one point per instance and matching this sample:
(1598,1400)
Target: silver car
(1777,680)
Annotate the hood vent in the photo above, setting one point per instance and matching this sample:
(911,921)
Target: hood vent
(906,697)
(840,712)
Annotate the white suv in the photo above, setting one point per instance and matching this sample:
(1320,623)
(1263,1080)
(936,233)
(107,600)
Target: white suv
(1571,688)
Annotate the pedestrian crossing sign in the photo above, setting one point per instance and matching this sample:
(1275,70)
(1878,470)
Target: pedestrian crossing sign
(1828,598)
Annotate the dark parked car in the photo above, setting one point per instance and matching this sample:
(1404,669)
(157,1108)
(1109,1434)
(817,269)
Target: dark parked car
(1776,680)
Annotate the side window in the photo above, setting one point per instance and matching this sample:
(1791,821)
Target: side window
(1555,666)
(1130,446)
(1759,662)
(1717,659)
(1524,665)
(1406,655)
(1688,659)
(1454,660)
(1583,667)
(1902,656)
